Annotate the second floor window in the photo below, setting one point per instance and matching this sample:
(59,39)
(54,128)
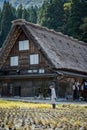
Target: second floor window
(34,59)
(14,61)
(24,45)
(41,71)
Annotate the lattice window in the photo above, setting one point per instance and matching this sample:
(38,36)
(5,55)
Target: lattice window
(41,71)
(34,59)
(24,45)
(14,61)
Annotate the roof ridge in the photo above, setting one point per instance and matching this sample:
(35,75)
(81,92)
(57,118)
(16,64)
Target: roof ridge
(18,20)
(23,21)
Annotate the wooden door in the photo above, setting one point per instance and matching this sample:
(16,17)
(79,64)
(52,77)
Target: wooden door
(5,90)
(17,91)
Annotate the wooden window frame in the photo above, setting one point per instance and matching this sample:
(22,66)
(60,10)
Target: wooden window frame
(34,59)
(24,45)
(14,61)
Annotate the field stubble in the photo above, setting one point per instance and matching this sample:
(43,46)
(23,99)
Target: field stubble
(30,116)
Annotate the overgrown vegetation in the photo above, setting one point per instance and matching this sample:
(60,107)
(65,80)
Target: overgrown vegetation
(67,16)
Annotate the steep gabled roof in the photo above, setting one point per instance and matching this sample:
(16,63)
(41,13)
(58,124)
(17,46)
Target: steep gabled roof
(63,51)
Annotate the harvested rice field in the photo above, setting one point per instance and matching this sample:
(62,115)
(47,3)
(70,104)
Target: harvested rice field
(33,116)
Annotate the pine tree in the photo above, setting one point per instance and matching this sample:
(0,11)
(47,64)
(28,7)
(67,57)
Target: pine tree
(25,14)
(53,15)
(0,19)
(77,13)
(33,14)
(19,11)
(7,17)
(42,14)
(83,27)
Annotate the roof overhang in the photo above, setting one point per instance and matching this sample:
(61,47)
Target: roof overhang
(72,74)
(30,76)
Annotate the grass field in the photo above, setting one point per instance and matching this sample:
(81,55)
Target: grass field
(16,115)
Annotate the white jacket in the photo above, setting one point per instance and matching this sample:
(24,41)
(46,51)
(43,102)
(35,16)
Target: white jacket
(53,95)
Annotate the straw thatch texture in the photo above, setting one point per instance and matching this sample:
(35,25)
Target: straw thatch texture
(64,52)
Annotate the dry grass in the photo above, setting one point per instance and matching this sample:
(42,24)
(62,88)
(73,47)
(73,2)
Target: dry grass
(34,116)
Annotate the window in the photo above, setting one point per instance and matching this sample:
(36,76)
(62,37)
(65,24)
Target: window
(14,61)
(24,45)
(34,71)
(34,59)
(30,71)
(41,70)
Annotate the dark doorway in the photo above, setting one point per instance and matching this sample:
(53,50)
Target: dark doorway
(10,90)
(17,91)
(5,90)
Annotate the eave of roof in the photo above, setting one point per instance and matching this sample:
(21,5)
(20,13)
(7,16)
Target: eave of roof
(72,74)
(27,76)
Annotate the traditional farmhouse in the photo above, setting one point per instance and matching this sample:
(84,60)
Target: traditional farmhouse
(32,57)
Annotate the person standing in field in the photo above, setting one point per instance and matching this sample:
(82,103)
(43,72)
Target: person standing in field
(53,95)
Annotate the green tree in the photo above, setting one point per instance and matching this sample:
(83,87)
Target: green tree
(33,14)
(83,27)
(77,12)
(42,14)
(0,18)
(67,9)
(25,14)
(7,17)
(52,15)
(19,11)
(13,9)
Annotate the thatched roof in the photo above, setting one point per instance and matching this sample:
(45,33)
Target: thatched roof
(63,51)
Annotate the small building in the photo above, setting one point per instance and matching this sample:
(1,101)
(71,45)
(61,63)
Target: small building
(32,57)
